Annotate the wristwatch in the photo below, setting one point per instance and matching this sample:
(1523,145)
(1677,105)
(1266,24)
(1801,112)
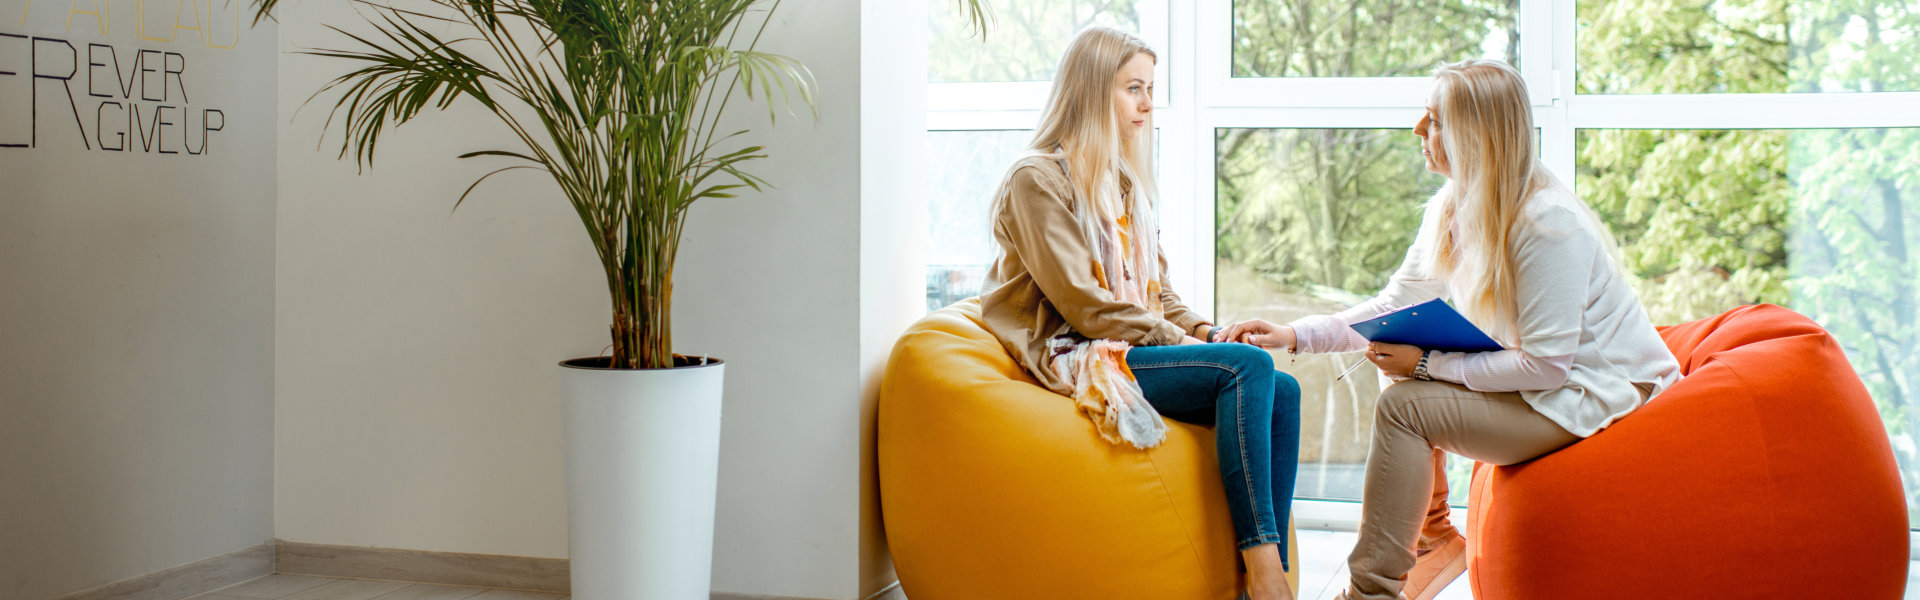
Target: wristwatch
(1420,370)
(1213,333)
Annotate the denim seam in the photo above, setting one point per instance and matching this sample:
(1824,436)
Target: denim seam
(1246,470)
(1240,426)
(1265,538)
(1185,363)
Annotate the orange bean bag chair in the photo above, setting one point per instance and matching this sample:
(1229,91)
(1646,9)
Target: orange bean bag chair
(1764,473)
(994,488)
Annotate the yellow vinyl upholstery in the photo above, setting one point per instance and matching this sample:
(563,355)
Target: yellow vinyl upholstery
(992,487)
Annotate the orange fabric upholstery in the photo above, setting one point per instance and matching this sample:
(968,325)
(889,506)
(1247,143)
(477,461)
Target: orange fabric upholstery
(1764,473)
(992,487)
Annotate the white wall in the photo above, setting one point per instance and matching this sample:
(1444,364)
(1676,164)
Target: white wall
(771,282)
(893,229)
(136,293)
(416,394)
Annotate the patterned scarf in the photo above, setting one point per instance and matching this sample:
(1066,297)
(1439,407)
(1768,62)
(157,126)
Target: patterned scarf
(1104,388)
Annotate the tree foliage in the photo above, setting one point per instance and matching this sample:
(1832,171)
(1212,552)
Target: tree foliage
(1369,38)
(1821,221)
(1026,41)
(1319,207)
(1701,214)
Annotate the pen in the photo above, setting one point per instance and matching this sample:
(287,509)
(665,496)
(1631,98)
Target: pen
(1356,365)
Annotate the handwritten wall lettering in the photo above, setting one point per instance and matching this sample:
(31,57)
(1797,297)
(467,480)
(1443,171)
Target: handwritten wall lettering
(208,23)
(113,100)
(130,91)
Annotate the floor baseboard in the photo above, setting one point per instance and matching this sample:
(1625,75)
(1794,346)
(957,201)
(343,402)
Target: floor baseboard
(891,592)
(453,568)
(421,566)
(186,580)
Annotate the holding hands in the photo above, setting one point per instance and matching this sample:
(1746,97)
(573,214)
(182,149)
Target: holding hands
(1259,332)
(1397,361)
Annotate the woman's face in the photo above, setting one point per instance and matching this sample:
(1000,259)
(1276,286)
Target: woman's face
(1133,95)
(1429,131)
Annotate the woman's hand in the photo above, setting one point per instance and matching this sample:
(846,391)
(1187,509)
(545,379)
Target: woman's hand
(1394,360)
(1187,340)
(1261,333)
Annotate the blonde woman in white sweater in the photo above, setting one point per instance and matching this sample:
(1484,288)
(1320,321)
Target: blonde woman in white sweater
(1531,264)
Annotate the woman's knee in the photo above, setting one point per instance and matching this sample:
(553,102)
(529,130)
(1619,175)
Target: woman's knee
(1286,389)
(1401,402)
(1246,359)
(1397,400)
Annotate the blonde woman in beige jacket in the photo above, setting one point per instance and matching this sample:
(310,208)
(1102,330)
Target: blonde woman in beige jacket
(1531,264)
(1079,296)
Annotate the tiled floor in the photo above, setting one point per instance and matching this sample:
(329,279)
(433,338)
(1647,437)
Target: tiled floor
(1323,569)
(302,587)
(1323,573)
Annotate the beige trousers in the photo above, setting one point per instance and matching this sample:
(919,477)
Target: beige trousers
(1405,506)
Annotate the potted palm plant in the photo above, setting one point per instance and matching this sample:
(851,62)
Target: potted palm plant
(620,102)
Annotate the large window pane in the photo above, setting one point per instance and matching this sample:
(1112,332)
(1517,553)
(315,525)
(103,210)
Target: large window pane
(1311,221)
(1747,46)
(1025,39)
(1369,38)
(1702,214)
(1823,221)
(965,168)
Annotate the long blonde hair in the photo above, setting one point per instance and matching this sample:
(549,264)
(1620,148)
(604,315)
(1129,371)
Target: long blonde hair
(1078,126)
(1486,130)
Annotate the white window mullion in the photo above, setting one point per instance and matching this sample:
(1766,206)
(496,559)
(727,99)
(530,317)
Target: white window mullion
(1018,95)
(1563,26)
(1212,48)
(1744,111)
(1557,148)
(1184,234)
(1310,92)
(1157,29)
(1537,60)
(960,120)
(1200,188)
(1318,117)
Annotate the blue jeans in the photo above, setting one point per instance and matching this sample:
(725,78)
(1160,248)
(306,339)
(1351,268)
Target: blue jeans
(1255,412)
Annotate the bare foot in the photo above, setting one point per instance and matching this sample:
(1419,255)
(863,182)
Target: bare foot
(1266,574)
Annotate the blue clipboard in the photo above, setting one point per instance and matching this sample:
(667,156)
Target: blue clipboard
(1430,325)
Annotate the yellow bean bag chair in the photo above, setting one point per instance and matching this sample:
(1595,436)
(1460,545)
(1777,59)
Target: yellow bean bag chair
(994,488)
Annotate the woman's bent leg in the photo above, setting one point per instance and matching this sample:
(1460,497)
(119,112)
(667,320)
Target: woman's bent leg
(1438,526)
(1414,418)
(1285,440)
(1233,388)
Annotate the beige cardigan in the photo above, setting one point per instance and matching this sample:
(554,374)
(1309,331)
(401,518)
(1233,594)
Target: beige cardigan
(1045,282)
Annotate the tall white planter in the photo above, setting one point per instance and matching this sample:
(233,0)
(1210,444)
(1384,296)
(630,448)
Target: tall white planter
(643,458)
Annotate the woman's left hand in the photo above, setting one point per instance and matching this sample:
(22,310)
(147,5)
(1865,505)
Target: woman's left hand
(1394,360)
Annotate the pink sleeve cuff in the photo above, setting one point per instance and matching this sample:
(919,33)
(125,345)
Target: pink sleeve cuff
(1321,334)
